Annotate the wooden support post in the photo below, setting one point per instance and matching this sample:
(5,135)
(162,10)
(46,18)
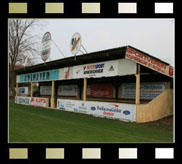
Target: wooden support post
(53,95)
(16,89)
(31,89)
(137,98)
(168,85)
(85,89)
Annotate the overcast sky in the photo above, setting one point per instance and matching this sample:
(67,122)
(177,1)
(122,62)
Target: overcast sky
(153,36)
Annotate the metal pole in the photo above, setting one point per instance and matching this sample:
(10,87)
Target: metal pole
(84,48)
(58,47)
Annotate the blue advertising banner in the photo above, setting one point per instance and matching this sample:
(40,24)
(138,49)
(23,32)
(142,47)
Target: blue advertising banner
(40,76)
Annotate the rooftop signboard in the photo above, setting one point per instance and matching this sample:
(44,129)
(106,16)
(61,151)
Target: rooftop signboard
(149,62)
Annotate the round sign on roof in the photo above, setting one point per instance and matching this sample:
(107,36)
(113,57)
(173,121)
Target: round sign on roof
(75,43)
(46,46)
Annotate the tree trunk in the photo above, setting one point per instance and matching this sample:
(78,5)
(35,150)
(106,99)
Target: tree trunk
(12,82)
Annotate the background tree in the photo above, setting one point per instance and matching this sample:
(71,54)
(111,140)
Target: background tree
(23,43)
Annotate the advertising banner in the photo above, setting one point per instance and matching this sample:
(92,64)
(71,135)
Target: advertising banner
(45,90)
(67,105)
(23,90)
(109,68)
(100,90)
(68,90)
(149,62)
(23,100)
(39,76)
(37,101)
(72,106)
(66,73)
(122,112)
(147,90)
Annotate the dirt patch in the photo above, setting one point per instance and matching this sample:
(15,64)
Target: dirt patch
(164,123)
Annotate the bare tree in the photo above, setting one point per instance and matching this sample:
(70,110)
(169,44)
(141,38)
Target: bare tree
(23,42)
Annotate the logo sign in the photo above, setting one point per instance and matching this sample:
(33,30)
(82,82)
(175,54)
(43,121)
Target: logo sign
(75,43)
(126,112)
(23,90)
(46,46)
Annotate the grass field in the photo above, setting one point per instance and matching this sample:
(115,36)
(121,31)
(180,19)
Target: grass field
(32,124)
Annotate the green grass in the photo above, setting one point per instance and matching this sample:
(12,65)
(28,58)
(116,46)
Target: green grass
(32,124)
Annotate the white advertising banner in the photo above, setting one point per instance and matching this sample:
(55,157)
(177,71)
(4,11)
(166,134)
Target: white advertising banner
(37,101)
(45,90)
(109,68)
(66,73)
(105,69)
(23,90)
(68,90)
(147,90)
(119,111)
(124,112)
(23,100)
(34,101)
(72,106)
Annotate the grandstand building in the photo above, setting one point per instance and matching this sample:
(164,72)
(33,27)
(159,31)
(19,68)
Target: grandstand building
(122,83)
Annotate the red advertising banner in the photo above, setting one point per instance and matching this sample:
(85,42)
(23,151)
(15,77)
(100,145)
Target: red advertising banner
(149,62)
(99,90)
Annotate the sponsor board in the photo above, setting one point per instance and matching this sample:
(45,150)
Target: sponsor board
(123,112)
(23,100)
(67,90)
(147,90)
(103,69)
(67,105)
(45,90)
(36,101)
(149,62)
(39,76)
(23,90)
(100,90)
(109,68)
(66,73)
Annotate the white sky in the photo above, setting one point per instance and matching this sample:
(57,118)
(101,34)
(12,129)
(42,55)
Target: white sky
(153,36)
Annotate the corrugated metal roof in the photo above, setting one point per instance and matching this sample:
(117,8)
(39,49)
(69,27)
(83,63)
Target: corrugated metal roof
(93,57)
